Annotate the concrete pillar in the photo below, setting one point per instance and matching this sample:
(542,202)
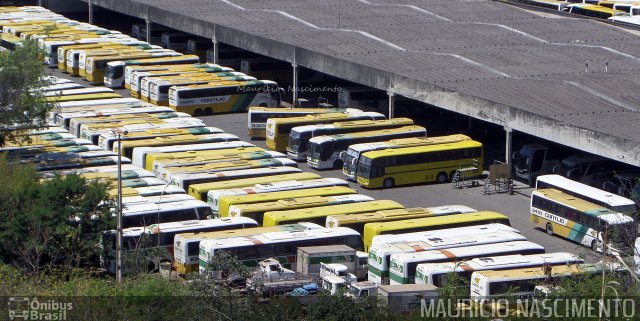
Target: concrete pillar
(90,11)
(295,84)
(508,148)
(392,100)
(41,3)
(148,25)
(215,50)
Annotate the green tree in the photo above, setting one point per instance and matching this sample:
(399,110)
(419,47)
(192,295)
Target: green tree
(55,222)
(22,105)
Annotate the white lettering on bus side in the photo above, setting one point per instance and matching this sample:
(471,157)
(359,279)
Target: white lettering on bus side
(549,216)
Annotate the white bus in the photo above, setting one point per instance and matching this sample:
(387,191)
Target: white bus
(140,154)
(213,196)
(106,140)
(324,151)
(77,91)
(92,131)
(380,255)
(257,116)
(162,235)
(146,191)
(439,274)
(63,118)
(143,214)
(169,172)
(280,245)
(186,246)
(159,166)
(587,193)
(350,158)
(156,199)
(402,267)
(185,180)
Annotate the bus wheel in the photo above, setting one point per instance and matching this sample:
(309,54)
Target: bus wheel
(388,183)
(208,112)
(549,229)
(441,177)
(594,245)
(337,164)
(197,112)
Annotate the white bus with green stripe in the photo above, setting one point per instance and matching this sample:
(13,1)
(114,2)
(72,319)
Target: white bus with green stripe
(380,256)
(282,246)
(441,274)
(168,172)
(402,267)
(581,221)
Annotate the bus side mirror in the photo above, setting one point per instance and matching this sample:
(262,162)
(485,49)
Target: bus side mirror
(515,155)
(342,155)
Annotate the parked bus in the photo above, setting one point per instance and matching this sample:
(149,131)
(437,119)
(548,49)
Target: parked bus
(212,98)
(297,145)
(107,140)
(59,161)
(156,199)
(319,215)
(132,70)
(160,73)
(10,146)
(357,221)
(257,116)
(256,211)
(590,194)
(402,267)
(141,153)
(160,166)
(64,118)
(129,146)
(213,196)
(441,274)
(77,91)
(199,191)
(108,122)
(225,202)
(380,256)
(351,158)
(581,221)
(175,40)
(594,11)
(278,129)
(324,151)
(169,173)
(411,165)
(143,215)
(147,191)
(431,223)
(185,180)
(103,95)
(114,74)
(186,246)
(162,236)
(548,4)
(283,246)
(155,160)
(93,133)
(520,283)
(156,89)
(96,66)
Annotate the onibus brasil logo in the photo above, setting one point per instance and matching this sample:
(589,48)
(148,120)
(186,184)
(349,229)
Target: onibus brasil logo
(25,308)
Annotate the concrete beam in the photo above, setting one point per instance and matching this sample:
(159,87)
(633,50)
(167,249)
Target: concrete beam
(586,139)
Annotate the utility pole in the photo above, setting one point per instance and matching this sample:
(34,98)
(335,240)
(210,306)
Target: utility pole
(119,135)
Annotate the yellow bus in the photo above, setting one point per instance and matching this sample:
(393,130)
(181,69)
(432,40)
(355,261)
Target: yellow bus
(221,97)
(96,66)
(91,128)
(114,74)
(596,11)
(146,191)
(69,56)
(169,173)
(357,221)
(581,221)
(77,58)
(229,200)
(60,99)
(186,245)
(431,223)
(411,165)
(319,215)
(278,129)
(157,89)
(258,116)
(128,146)
(160,166)
(199,191)
(152,158)
(256,211)
(106,140)
(135,74)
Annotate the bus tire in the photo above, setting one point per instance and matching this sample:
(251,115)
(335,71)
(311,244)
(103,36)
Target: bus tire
(208,111)
(441,177)
(549,229)
(337,164)
(388,182)
(197,112)
(594,245)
